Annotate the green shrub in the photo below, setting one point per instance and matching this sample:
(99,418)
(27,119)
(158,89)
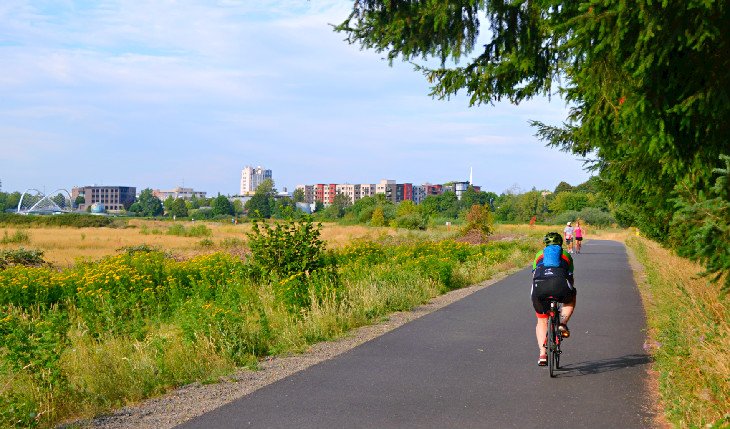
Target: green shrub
(590,215)
(232,242)
(206,242)
(76,220)
(479,218)
(293,257)
(193,231)
(21,256)
(410,221)
(18,237)
(701,226)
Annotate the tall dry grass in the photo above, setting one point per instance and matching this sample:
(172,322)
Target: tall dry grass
(689,336)
(63,246)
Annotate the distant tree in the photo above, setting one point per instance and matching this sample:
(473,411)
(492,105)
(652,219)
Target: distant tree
(405,208)
(148,204)
(238,207)
(298,195)
(222,206)
(194,203)
(262,204)
(530,204)
(362,210)
(179,208)
(562,187)
(336,210)
(506,207)
(60,200)
(568,200)
(284,208)
(378,218)
(167,204)
(79,200)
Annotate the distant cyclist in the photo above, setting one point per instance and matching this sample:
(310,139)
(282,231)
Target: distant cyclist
(568,231)
(552,277)
(578,232)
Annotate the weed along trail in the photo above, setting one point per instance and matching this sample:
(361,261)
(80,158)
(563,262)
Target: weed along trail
(473,364)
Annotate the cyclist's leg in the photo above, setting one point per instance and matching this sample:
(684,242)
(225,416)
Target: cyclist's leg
(541,327)
(541,333)
(568,309)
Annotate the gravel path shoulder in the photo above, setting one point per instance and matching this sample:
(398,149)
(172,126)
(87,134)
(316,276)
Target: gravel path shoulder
(195,399)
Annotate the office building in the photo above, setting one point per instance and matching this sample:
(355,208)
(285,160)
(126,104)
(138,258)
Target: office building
(252,177)
(114,198)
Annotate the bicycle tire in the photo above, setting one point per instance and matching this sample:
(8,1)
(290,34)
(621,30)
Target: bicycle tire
(551,345)
(557,351)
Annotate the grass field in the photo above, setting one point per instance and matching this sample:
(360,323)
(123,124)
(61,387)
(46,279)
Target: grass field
(63,247)
(102,326)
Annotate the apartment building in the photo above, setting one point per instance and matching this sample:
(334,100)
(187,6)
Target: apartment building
(330,191)
(388,188)
(350,191)
(112,197)
(395,192)
(367,190)
(308,191)
(419,194)
(252,177)
(179,192)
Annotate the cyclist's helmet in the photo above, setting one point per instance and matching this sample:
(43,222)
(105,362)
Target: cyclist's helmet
(553,238)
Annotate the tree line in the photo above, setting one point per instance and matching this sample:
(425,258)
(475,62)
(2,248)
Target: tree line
(647,86)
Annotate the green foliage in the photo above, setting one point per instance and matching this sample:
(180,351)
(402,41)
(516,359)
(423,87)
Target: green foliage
(262,204)
(178,208)
(9,201)
(192,231)
(21,256)
(701,225)
(294,258)
(479,218)
(76,220)
(589,215)
(206,242)
(18,237)
(105,333)
(147,205)
(222,206)
(298,195)
(378,217)
(648,84)
(568,200)
(337,209)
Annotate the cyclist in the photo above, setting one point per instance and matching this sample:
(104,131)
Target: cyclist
(552,277)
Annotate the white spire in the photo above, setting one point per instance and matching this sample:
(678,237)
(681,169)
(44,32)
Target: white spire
(471,172)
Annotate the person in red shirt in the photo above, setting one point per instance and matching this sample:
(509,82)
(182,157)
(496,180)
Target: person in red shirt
(578,233)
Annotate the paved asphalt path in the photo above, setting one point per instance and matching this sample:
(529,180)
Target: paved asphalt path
(473,364)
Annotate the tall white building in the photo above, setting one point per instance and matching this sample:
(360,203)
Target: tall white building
(252,177)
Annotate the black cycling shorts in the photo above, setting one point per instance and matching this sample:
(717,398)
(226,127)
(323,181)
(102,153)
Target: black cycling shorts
(543,288)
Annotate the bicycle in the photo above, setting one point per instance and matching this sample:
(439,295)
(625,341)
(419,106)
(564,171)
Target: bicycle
(553,337)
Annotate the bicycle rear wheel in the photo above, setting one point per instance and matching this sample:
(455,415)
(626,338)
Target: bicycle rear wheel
(552,346)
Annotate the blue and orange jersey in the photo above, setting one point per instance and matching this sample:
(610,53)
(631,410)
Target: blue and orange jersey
(553,256)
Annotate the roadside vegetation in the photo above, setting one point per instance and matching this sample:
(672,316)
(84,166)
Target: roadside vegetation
(689,336)
(100,334)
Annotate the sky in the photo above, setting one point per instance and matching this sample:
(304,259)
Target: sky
(165,93)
